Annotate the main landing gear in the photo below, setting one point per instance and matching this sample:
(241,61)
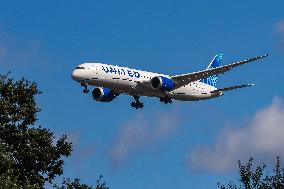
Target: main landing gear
(137,104)
(85,90)
(166,100)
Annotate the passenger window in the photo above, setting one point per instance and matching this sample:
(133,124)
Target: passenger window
(80,67)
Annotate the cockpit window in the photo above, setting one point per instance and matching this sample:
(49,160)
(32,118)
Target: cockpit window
(80,67)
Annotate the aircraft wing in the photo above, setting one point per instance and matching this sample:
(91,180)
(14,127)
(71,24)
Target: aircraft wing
(232,88)
(181,80)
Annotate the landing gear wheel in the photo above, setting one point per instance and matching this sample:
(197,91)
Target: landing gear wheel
(85,91)
(140,105)
(166,100)
(133,104)
(137,104)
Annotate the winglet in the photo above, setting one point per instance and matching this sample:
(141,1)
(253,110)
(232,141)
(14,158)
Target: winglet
(259,57)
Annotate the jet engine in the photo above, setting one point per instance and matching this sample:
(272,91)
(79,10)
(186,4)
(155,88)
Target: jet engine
(103,94)
(162,83)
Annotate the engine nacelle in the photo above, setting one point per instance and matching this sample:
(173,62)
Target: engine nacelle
(103,94)
(162,83)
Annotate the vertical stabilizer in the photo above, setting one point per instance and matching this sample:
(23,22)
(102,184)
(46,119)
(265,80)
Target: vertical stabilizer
(216,62)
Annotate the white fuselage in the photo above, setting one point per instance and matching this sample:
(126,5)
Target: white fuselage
(125,80)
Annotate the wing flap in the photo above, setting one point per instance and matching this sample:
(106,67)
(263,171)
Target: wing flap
(185,79)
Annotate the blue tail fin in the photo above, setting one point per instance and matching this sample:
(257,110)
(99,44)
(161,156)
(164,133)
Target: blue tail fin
(216,62)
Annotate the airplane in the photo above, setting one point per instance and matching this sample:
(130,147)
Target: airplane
(111,81)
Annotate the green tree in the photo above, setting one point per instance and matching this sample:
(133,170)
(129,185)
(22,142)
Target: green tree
(101,184)
(68,184)
(30,155)
(256,177)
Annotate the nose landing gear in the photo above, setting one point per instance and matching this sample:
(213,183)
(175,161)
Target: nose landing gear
(85,90)
(137,104)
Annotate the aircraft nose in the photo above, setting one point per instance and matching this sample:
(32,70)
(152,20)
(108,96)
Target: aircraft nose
(74,75)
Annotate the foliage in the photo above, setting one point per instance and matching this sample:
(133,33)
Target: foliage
(68,184)
(257,178)
(29,155)
(101,184)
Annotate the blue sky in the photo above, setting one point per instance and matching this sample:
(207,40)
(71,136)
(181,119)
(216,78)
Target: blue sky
(160,146)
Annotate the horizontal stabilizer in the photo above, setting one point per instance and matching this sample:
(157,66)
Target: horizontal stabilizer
(232,88)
